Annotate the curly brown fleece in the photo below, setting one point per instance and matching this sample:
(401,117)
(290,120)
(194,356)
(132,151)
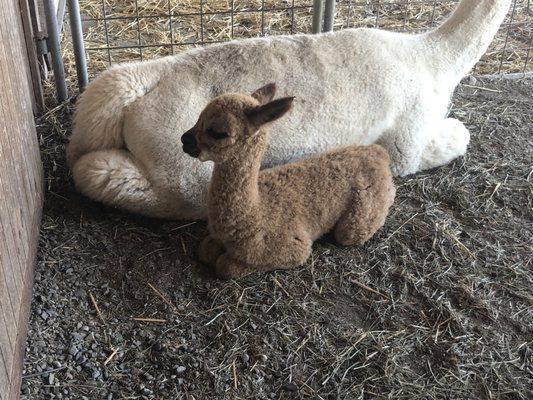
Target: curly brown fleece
(265,220)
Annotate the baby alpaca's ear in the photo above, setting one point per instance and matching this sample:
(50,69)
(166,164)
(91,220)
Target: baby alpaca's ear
(264,94)
(269,112)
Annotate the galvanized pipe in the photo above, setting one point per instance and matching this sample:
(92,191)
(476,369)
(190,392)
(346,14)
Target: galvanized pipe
(77,43)
(55,50)
(60,15)
(318,14)
(329,16)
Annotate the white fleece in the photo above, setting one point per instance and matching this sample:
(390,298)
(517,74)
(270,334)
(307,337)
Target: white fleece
(352,86)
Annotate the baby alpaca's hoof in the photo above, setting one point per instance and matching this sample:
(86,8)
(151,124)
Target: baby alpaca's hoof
(228,268)
(209,251)
(349,238)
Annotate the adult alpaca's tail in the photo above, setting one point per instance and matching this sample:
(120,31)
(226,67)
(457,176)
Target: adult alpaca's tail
(100,109)
(457,45)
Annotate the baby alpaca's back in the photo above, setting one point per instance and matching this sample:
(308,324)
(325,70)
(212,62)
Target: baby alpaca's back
(316,191)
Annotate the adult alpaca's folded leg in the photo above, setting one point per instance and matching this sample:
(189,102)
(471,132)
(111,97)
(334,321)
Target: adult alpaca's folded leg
(113,177)
(449,139)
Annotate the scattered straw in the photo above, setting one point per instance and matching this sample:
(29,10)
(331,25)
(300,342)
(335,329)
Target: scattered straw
(155,320)
(234,370)
(363,286)
(484,343)
(183,226)
(95,304)
(164,298)
(111,356)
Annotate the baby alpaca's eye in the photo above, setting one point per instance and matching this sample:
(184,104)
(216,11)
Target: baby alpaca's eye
(217,135)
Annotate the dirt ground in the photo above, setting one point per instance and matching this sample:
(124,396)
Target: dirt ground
(439,305)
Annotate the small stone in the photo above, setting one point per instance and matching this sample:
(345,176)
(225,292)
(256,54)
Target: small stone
(78,336)
(245,358)
(471,80)
(290,387)
(148,376)
(44,315)
(73,351)
(263,357)
(180,369)
(51,379)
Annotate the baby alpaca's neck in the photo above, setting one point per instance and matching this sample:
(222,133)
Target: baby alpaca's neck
(234,191)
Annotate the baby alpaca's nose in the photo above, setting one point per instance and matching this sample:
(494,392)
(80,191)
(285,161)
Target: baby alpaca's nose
(188,138)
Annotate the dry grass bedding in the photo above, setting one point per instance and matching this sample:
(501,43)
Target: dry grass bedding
(439,305)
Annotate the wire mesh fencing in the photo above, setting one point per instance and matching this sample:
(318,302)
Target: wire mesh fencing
(126,30)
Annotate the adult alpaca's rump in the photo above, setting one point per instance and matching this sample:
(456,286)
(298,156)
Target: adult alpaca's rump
(350,91)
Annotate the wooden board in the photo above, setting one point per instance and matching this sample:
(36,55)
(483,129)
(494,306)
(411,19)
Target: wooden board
(21,194)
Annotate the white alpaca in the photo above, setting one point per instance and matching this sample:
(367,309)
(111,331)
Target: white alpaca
(356,86)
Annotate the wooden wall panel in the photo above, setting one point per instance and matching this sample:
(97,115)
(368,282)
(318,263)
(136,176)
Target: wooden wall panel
(21,194)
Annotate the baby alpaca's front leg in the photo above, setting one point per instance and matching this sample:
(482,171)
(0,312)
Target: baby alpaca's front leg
(210,250)
(288,253)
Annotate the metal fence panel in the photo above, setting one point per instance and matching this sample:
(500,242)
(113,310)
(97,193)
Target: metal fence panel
(125,30)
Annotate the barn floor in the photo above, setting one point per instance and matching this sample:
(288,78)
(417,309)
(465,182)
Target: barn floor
(438,305)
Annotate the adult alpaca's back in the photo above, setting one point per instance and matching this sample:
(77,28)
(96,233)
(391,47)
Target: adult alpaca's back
(357,86)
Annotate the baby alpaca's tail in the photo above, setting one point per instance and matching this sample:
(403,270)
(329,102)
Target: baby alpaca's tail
(100,109)
(458,44)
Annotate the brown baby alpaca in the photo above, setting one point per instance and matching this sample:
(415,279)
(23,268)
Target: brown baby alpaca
(265,220)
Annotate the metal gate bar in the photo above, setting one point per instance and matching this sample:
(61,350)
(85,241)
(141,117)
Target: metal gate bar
(318,15)
(55,50)
(329,15)
(78,44)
